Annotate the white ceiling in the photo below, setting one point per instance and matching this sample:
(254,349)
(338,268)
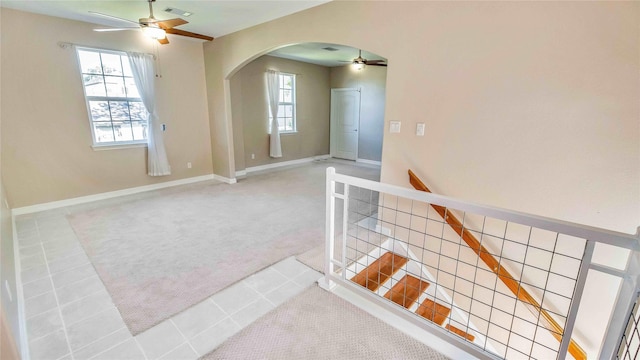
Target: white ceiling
(316,53)
(210,17)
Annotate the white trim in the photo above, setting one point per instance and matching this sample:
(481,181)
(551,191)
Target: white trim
(241,173)
(224,179)
(285,163)
(124,145)
(108,195)
(22,317)
(370,162)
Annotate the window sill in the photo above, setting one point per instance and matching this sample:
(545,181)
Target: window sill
(287,132)
(111,146)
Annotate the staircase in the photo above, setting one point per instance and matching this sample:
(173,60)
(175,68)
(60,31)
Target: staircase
(401,280)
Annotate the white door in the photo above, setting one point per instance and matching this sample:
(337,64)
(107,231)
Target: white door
(345,123)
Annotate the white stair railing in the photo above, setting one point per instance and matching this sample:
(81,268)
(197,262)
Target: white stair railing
(549,258)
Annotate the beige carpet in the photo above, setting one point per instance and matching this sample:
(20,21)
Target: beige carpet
(319,325)
(163,254)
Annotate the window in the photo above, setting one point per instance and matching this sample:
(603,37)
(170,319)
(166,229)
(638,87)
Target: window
(116,112)
(286,104)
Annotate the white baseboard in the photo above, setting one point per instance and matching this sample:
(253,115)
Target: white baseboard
(225,179)
(280,164)
(112,194)
(370,162)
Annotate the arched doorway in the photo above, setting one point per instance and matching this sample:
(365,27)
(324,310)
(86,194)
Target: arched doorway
(313,69)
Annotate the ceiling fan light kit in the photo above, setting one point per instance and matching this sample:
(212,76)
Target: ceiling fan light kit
(154,28)
(154,32)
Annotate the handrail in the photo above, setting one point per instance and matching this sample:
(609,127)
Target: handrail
(548,321)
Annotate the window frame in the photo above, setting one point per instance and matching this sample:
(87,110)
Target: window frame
(292,103)
(106,145)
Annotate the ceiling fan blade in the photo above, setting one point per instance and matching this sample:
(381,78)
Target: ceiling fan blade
(115,29)
(188,34)
(113,17)
(164,41)
(167,24)
(371,62)
(377,64)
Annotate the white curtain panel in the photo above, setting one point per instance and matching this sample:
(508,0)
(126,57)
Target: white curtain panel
(273,89)
(144,76)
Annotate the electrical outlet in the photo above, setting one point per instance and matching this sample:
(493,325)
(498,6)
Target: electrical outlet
(164,127)
(253,156)
(420,129)
(188,165)
(394,127)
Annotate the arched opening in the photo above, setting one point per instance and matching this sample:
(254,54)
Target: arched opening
(313,72)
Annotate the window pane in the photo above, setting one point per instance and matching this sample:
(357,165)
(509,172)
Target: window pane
(94,85)
(137,110)
(111,64)
(288,111)
(90,62)
(288,82)
(289,124)
(287,96)
(103,132)
(119,110)
(280,124)
(122,130)
(281,110)
(99,110)
(115,86)
(132,90)
(125,66)
(139,130)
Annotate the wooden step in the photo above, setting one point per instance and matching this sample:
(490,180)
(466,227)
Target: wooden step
(407,291)
(433,311)
(457,331)
(378,272)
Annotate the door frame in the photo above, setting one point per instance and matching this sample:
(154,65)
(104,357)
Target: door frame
(332,126)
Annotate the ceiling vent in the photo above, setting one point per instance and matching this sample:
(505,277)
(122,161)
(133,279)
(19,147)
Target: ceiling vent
(178,12)
(329,48)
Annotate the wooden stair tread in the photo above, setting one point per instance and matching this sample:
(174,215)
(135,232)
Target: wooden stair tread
(407,291)
(433,311)
(462,333)
(378,272)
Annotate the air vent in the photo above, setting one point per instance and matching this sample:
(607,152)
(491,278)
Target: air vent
(178,12)
(329,48)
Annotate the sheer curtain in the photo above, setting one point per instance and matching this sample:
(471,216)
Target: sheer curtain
(273,89)
(144,76)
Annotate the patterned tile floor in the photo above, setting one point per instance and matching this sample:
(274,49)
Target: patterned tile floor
(70,314)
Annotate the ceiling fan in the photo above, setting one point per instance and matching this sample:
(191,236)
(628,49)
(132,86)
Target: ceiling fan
(154,28)
(359,62)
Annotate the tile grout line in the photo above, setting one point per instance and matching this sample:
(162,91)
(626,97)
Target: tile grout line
(95,341)
(184,337)
(55,295)
(175,348)
(65,304)
(140,347)
(51,275)
(109,348)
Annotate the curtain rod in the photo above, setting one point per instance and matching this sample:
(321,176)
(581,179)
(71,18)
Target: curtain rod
(66,45)
(286,72)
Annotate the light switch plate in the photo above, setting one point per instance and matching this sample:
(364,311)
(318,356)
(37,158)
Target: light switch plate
(420,129)
(394,127)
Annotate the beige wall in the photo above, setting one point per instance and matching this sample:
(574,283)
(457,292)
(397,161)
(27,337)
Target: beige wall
(46,139)
(372,84)
(526,105)
(249,109)
(531,106)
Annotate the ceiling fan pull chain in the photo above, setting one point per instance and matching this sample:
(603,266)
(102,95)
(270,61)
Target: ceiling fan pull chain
(159,64)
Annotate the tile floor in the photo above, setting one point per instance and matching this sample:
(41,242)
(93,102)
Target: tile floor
(70,315)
